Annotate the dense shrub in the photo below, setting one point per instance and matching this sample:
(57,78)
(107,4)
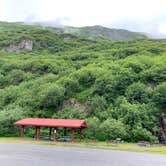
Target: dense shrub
(141,134)
(112,129)
(7,119)
(51,97)
(93,131)
(138,92)
(159,95)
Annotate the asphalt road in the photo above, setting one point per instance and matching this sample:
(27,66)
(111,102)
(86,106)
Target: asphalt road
(13,154)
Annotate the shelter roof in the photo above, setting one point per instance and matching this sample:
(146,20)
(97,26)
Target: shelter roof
(44,122)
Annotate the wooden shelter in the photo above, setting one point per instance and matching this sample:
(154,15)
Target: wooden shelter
(52,124)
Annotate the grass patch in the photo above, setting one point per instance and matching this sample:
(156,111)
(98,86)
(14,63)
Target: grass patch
(131,147)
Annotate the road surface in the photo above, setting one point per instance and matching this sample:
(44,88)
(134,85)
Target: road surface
(13,154)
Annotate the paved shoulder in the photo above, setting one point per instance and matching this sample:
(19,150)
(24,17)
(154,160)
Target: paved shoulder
(37,155)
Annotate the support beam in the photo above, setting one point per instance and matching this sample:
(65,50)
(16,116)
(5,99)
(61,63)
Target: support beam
(37,133)
(54,134)
(80,134)
(73,134)
(65,129)
(22,131)
(50,132)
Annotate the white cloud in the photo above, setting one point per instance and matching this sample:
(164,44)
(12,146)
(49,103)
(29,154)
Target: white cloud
(144,15)
(162,28)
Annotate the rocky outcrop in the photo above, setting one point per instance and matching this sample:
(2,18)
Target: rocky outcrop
(68,37)
(151,85)
(162,129)
(73,104)
(24,45)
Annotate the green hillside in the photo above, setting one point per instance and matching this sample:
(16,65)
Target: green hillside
(118,87)
(99,32)
(95,32)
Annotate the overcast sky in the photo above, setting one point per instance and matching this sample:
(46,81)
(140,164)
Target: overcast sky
(137,15)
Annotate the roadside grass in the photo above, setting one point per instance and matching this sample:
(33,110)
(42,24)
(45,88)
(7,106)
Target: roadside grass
(131,147)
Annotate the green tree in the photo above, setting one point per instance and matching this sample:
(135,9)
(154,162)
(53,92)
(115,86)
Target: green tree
(71,86)
(15,77)
(93,131)
(97,104)
(138,92)
(111,129)
(7,118)
(141,134)
(52,96)
(159,95)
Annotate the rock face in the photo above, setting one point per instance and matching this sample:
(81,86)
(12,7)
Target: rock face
(68,37)
(25,44)
(73,104)
(162,129)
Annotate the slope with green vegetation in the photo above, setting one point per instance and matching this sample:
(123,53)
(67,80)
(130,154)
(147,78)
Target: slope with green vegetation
(100,32)
(95,32)
(119,87)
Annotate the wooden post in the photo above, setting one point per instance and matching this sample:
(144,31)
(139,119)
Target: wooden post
(37,133)
(22,131)
(80,134)
(50,132)
(65,129)
(73,134)
(54,134)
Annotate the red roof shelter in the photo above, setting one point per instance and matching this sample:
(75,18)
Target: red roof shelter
(52,123)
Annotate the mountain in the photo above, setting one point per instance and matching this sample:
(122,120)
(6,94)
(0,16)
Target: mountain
(89,32)
(18,37)
(96,32)
(100,32)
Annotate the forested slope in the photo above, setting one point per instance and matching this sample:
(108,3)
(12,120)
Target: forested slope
(118,87)
(100,32)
